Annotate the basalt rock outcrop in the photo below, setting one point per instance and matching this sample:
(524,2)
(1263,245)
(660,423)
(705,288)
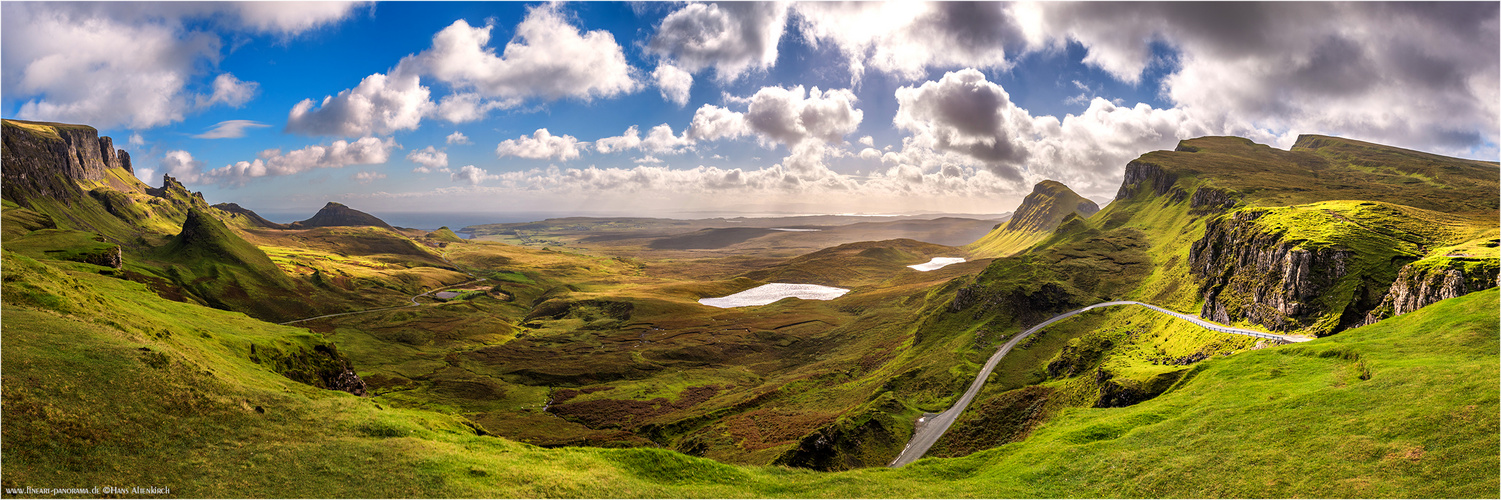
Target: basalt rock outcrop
(43,160)
(1418,286)
(1046,207)
(1249,274)
(1138,171)
(114,158)
(323,367)
(1207,199)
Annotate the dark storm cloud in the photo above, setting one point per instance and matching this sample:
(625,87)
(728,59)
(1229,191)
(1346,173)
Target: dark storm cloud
(1402,73)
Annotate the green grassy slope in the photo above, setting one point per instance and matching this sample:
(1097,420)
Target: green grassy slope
(1322,168)
(1403,408)
(1139,248)
(1049,204)
(445,234)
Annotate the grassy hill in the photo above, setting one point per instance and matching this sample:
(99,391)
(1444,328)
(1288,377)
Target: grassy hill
(854,263)
(1191,235)
(177,397)
(1050,204)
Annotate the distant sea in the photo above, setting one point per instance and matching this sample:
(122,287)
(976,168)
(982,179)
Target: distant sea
(432,220)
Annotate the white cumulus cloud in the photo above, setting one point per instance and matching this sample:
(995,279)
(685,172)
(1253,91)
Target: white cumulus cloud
(792,115)
(541,145)
(472,175)
(230,91)
(468,107)
(731,37)
(1383,72)
(712,123)
(674,83)
(273,162)
(660,139)
(132,64)
(291,18)
(458,138)
(181,166)
(428,159)
(380,104)
(548,57)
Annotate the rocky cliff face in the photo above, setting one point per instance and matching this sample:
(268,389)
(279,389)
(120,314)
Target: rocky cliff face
(1047,205)
(114,158)
(1208,199)
(1259,277)
(44,160)
(1418,286)
(1138,171)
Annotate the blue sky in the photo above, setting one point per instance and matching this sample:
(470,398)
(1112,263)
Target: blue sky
(921,107)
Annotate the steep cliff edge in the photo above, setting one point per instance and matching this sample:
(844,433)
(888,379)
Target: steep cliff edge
(48,160)
(1259,276)
(1325,267)
(1425,282)
(1042,211)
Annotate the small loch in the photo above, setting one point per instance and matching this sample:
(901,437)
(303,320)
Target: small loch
(772,292)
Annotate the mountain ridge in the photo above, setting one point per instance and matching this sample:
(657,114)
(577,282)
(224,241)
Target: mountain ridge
(336,214)
(1049,205)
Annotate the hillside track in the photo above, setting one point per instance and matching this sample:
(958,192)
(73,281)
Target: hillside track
(931,427)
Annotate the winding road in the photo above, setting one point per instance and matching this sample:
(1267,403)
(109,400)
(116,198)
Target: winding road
(931,427)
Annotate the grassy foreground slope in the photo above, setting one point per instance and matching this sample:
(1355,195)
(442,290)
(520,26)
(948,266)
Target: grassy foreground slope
(108,384)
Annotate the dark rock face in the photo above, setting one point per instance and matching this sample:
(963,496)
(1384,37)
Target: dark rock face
(1259,277)
(336,214)
(44,160)
(347,381)
(1048,204)
(1416,288)
(1138,171)
(39,165)
(113,158)
(111,257)
(1208,198)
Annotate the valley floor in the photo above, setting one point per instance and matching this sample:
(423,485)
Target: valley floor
(1402,408)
